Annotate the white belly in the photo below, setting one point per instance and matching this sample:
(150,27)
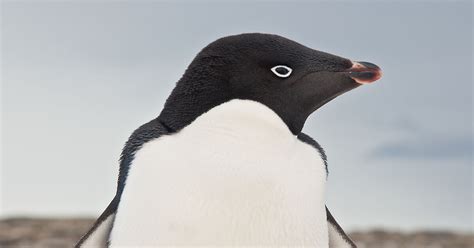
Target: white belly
(235,177)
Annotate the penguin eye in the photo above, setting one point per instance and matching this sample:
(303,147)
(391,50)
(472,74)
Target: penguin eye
(282,71)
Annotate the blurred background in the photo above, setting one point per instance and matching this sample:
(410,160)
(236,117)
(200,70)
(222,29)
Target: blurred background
(77,77)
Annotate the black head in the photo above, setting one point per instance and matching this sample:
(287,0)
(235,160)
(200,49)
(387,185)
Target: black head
(291,79)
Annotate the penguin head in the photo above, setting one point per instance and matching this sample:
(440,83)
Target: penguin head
(289,78)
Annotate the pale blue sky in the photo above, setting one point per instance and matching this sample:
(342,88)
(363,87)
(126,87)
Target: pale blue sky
(78,78)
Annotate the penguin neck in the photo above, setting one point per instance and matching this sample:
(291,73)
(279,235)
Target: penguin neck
(245,120)
(183,108)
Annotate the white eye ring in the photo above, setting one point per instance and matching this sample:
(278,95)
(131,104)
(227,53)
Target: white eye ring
(285,75)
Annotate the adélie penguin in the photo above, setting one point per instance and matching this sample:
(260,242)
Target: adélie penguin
(225,163)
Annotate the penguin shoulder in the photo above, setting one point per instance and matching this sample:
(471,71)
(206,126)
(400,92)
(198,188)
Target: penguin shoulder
(310,141)
(149,131)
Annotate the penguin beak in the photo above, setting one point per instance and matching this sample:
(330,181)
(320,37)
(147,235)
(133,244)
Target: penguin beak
(364,72)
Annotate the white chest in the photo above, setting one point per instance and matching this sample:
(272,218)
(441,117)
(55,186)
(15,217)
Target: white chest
(235,177)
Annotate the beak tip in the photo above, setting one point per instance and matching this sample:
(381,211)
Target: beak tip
(364,72)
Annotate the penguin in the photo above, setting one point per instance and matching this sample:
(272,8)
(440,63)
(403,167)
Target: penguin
(226,162)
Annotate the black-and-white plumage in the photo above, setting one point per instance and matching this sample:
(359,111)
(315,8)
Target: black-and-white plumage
(226,163)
